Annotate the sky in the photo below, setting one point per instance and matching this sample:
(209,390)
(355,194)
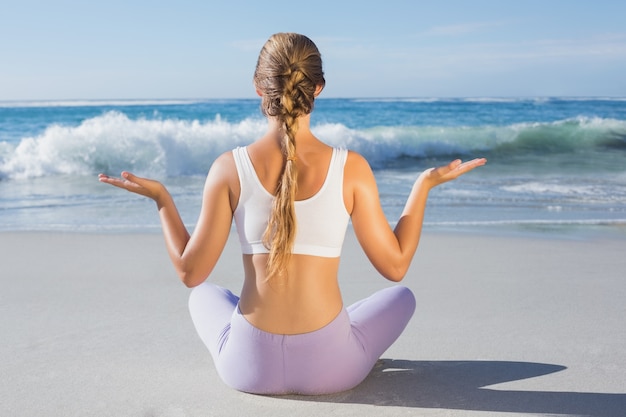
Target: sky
(139,49)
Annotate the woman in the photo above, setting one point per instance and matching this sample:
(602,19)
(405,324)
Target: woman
(292,197)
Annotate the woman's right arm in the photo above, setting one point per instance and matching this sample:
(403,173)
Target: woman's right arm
(195,255)
(391,251)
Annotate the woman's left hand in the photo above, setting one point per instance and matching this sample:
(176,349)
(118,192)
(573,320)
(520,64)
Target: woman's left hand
(436,176)
(142,186)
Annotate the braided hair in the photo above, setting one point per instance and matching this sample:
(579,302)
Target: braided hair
(288,71)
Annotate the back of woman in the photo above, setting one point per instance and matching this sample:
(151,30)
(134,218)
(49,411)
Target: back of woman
(296,181)
(306,296)
(291,197)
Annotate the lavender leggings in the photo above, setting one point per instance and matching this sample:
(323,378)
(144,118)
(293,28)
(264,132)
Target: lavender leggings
(334,358)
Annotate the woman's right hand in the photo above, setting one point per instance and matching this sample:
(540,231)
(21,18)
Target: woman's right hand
(142,186)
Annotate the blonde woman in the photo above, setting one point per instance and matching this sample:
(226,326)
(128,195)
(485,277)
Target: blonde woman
(291,197)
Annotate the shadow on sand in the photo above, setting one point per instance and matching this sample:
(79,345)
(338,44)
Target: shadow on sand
(460,385)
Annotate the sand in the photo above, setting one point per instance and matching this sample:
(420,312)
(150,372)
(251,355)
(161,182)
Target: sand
(97,325)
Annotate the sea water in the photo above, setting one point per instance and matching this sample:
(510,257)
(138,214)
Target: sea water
(552,162)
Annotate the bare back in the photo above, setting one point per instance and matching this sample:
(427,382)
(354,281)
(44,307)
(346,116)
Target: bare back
(309,297)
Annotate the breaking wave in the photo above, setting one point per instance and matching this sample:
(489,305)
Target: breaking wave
(112,142)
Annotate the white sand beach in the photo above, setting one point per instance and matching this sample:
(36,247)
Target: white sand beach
(97,325)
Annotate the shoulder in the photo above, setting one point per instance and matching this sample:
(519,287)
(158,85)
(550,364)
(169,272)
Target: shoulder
(356,157)
(358,180)
(356,167)
(223,176)
(224,170)
(223,164)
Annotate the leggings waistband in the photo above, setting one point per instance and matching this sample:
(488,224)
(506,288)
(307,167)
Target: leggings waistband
(241,325)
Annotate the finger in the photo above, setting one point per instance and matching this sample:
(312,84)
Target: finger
(106,178)
(477,161)
(129,176)
(123,183)
(444,170)
(113,181)
(470,165)
(474,163)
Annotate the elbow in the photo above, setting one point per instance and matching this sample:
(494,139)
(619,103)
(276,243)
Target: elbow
(392,268)
(395,274)
(190,280)
(191,272)
(398,268)
(190,277)
(189,283)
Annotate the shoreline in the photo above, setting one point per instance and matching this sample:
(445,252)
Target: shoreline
(532,230)
(97,324)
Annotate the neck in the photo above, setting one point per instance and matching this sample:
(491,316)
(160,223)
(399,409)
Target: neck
(304,125)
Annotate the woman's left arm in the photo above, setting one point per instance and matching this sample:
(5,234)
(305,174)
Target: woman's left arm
(193,256)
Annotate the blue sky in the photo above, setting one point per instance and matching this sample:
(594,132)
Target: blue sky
(129,49)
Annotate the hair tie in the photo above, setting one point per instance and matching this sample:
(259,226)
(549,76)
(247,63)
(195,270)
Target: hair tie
(291,158)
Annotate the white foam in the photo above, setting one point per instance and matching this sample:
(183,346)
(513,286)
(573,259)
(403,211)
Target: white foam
(171,147)
(113,142)
(535,187)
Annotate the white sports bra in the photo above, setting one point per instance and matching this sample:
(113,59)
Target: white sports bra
(322,219)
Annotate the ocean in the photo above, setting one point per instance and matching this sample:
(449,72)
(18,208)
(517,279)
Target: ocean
(554,164)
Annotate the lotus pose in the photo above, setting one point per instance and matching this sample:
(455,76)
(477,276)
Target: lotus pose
(291,197)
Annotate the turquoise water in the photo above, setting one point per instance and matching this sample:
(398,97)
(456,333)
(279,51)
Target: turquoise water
(553,162)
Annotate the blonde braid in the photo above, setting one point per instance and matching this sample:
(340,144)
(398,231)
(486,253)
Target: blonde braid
(288,72)
(282,227)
